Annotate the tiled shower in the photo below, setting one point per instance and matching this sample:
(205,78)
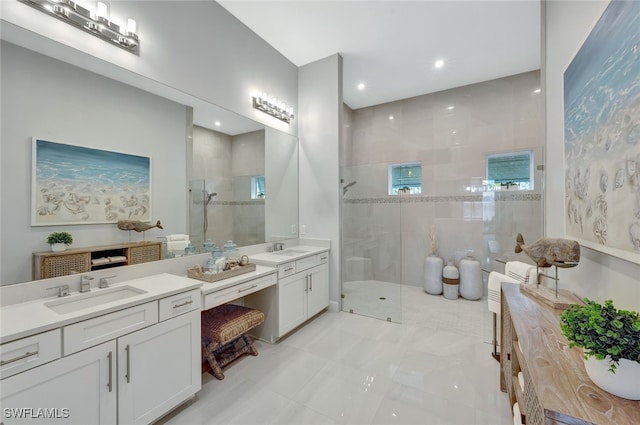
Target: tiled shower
(386,237)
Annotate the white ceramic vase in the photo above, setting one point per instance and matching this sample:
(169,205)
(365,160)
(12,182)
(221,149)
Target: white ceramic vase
(433,275)
(58,247)
(623,383)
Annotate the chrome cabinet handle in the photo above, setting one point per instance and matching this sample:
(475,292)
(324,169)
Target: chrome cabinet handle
(288,269)
(110,383)
(183,304)
(128,374)
(247,288)
(24,356)
(306,283)
(323,258)
(311,282)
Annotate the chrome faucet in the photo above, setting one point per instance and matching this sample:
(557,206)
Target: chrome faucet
(63,290)
(278,246)
(85,283)
(104,281)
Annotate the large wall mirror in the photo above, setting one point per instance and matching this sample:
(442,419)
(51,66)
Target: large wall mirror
(196,149)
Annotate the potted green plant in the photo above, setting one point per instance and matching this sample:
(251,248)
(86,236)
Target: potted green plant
(59,241)
(610,341)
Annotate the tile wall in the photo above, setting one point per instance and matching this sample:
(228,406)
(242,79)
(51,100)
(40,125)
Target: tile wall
(392,232)
(226,164)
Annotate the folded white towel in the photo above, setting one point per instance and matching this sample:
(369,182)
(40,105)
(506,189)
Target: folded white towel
(493,295)
(517,417)
(521,380)
(177,237)
(99,261)
(519,270)
(177,247)
(117,259)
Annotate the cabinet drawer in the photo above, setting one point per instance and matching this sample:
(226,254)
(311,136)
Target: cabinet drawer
(177,304)
(323,258)
(287,269)
(229,294)
(29,352)
(306,263)
(94,331)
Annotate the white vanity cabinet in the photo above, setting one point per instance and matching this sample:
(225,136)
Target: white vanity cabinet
(158,368)
(77,389)
(128,367)
(304,293)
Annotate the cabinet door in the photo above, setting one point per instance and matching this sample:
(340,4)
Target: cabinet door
(318,294)
(292,302)
(158,368)
(77,389)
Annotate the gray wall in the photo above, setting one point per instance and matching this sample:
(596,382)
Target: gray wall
(599,276)
(46,98)
(196,47)
(320,132)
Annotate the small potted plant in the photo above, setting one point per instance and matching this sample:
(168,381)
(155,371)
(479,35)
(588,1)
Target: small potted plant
(59,241)
(610,340)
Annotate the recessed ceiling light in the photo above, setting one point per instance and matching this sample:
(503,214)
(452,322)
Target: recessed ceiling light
(453,132)
(451,107)
(217,123)
(391,117)
(361,86)
(439,63)
(537,90)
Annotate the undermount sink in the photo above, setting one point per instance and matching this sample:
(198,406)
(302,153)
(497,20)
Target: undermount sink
(93,299)
(290,252)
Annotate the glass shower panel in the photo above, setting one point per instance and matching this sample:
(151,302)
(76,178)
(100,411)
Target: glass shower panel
(197,195)
(371,244)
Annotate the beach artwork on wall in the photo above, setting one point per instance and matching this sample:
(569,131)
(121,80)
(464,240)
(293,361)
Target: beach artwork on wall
(80,185)
(602,135)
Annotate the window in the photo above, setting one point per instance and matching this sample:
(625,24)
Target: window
(405,178)
(257,187)
(510,171)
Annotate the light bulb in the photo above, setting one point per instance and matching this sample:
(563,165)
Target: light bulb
(102,10)
(132,26)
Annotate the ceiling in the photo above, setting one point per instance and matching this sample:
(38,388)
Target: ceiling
(392,46)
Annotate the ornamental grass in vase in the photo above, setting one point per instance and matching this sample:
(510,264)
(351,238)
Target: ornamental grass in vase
(610,342)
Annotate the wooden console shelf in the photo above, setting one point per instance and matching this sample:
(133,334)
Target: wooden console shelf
(82,260)
(557,389)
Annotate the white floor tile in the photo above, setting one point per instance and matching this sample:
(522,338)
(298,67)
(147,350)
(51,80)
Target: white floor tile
(341,368)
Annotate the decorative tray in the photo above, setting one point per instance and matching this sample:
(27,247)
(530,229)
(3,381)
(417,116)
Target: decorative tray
(198,273)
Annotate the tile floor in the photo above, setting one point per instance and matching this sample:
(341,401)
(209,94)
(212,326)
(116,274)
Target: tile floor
(343,368)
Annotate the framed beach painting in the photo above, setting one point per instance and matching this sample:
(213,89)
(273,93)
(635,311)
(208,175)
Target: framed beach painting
(80,185)
(602,135)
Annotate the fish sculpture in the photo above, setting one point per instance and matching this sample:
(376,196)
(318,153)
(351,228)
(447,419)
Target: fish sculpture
(547,252)
(138,226)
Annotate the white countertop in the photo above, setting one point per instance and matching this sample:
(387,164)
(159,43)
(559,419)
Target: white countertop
(209,287)
(274,259)
(32,317)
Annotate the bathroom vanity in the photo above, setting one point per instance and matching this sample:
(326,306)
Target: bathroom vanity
(301,293)
(128,353)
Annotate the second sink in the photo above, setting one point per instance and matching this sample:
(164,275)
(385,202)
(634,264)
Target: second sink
(290,252)
(93,299)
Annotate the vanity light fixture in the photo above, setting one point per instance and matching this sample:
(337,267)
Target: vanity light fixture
(96,23)
(273,107)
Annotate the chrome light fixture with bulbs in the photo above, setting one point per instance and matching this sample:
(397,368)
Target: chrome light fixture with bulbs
(271,106)
(96,23)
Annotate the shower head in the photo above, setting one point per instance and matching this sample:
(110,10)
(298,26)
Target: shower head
(347,186)
(209,196)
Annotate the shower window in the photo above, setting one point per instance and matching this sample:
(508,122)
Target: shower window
(257,187)
(510,171)
(405,178)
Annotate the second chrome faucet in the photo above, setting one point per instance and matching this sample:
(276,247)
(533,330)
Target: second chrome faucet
(85,283)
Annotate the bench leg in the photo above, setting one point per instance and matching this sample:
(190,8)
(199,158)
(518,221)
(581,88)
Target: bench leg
(251,348)
(216,370)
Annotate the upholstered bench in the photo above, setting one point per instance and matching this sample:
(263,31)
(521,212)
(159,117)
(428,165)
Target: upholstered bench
(224,328)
